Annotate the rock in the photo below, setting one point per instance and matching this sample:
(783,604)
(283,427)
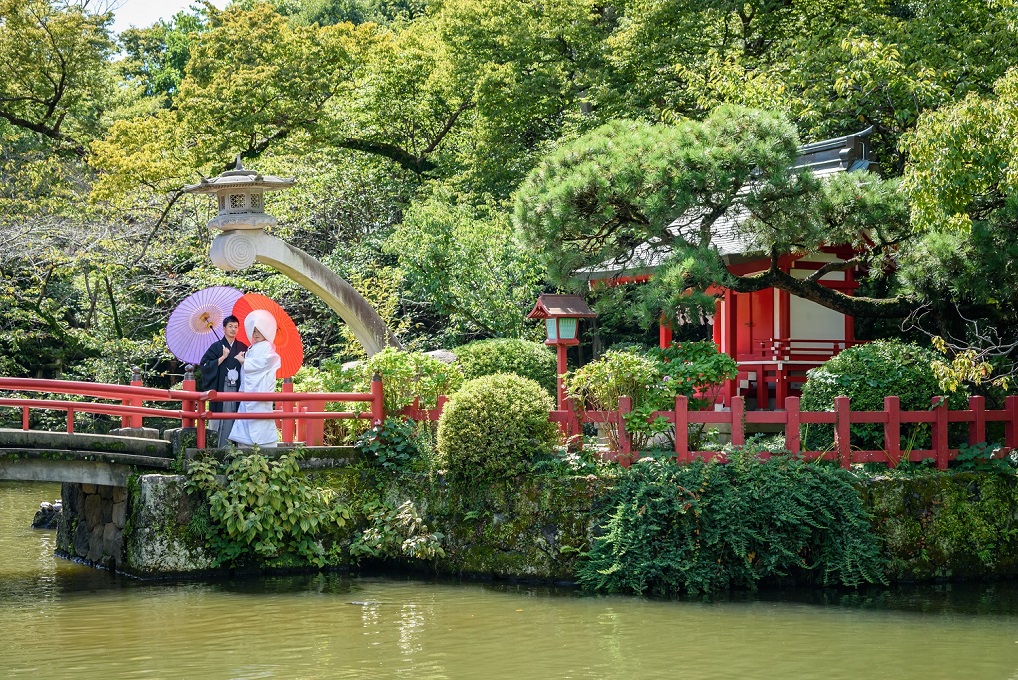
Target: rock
(443,355)
(120,514)
(95,544)
(81,536)
(143,432)
(93,510)
(47,517)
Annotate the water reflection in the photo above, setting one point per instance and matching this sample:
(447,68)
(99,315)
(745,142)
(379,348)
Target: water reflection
(59,619)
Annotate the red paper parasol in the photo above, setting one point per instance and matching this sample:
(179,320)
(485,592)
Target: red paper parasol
(197,322)
(288,343)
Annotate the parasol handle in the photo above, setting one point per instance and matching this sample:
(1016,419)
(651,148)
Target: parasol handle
(212,327)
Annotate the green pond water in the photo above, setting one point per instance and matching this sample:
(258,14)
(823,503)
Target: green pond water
(63,620)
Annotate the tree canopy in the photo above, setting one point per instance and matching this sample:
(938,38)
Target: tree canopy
(457,157)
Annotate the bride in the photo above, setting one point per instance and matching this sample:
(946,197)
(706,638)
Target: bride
(260,363)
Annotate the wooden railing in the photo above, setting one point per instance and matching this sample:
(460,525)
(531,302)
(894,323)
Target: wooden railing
(791,420)
(892,418)
(300,416)
(796,349)
(779,364)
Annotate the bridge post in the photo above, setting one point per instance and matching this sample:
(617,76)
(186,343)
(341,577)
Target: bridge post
(377,399)
(187,404)
(136,421)
(288,407)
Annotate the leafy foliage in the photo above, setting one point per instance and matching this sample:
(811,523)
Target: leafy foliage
(265,509)
(527,359)
(494,426)
(866,374)
(706,527)
(691,369)
(406,375)
(394,446)
(395,533)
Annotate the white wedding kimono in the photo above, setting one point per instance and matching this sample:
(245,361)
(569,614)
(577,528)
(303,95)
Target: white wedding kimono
(259,375)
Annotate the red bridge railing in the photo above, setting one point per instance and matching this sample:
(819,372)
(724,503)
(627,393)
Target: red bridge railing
(300,416)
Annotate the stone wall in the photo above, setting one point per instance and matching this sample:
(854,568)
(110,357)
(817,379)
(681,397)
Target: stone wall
(160,542)
(92,522)
(940,526)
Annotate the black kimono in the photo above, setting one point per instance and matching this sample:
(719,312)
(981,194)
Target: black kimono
(214,377)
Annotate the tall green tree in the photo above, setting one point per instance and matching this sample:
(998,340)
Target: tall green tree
(611,197)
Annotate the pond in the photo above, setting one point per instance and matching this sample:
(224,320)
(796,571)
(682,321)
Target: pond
(60,619)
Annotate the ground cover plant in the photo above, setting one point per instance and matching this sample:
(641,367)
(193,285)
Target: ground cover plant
(705,527)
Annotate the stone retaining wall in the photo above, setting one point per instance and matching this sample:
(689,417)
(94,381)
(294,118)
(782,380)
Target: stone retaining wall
(92,523)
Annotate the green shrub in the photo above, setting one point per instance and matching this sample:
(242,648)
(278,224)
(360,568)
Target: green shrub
(405,375)
(652,380)
(527,359)
(394,446)
(706,527)
(266,509)
(866,374)
(494,426)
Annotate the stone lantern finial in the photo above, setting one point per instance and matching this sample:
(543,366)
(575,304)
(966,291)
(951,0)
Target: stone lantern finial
(237,165)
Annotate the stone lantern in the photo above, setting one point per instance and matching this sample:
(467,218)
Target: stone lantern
(240,194)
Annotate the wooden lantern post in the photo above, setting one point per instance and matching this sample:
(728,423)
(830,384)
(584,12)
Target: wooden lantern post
(561,315)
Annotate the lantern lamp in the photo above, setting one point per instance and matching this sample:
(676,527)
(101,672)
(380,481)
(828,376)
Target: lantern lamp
(561,314)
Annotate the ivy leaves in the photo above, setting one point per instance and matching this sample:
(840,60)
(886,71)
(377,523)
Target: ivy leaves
(267,507)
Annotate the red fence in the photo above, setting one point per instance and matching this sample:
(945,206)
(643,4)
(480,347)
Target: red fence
(300,416)
(892,418)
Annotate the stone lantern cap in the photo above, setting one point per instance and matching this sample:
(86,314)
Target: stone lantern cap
(239,177)
(240,194)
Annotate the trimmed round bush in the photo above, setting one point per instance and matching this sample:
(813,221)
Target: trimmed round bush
(527,359)
(866,374)
(494,426)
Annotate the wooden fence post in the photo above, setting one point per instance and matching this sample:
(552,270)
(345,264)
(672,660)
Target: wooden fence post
(892,431)
(136,420)
(940,431)
(682,452)
(625,443)
(442,400)
(792,442)
(189,405)
(977,430)
(377,399)
(843,430)
(1011,424)
(738,421)
(287,408)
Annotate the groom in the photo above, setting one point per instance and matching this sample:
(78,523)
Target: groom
(220,371)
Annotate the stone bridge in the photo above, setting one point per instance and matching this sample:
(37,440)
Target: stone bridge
(104,460)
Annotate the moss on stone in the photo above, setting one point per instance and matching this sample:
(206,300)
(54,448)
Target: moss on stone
(962,525)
